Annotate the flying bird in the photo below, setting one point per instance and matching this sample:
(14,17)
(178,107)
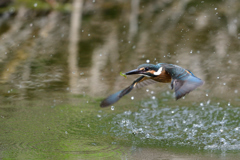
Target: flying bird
(182,80)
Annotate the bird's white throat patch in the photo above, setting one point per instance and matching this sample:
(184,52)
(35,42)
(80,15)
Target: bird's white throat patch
(158,72)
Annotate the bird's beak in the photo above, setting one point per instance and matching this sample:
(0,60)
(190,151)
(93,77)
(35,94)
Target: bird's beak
(135,71)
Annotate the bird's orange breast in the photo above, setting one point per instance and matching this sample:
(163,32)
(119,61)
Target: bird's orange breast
(164,77)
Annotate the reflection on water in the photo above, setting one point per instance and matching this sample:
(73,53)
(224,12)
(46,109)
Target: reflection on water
(201,37)
(40,119)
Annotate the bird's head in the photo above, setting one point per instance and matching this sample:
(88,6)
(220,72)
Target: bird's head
(148,70)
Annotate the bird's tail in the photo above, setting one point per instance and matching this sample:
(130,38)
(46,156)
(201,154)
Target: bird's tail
(116,96)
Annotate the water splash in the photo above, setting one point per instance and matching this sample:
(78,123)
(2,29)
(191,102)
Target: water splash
(204,126)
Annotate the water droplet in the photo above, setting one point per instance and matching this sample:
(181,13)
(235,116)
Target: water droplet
(201,104)
(191,51)
(148,61)
(133,47)
(31,25)
(147,90)
(153,97)
(132,98)
(218,77)
(208,102)
(206,94)
(224,84)
(235,91)
(112,108)
(66,132)
(35,4)
(88,125)
(215,9)
(89,35)
(147,135)
(222,140)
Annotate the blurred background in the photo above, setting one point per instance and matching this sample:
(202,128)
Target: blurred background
(51,50)
(45,47)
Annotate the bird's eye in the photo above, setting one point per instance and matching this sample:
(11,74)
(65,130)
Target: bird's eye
(146,69)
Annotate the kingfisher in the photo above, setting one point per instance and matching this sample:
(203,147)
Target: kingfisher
(182,80)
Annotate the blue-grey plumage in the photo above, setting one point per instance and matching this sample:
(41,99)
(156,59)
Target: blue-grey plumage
(183,81)
(116,96)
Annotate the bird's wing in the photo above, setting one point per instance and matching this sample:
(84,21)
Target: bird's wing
(138,83)
(113,98)
(118,95)
(183,87)
(176,72)
(144,81)
(183,81)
